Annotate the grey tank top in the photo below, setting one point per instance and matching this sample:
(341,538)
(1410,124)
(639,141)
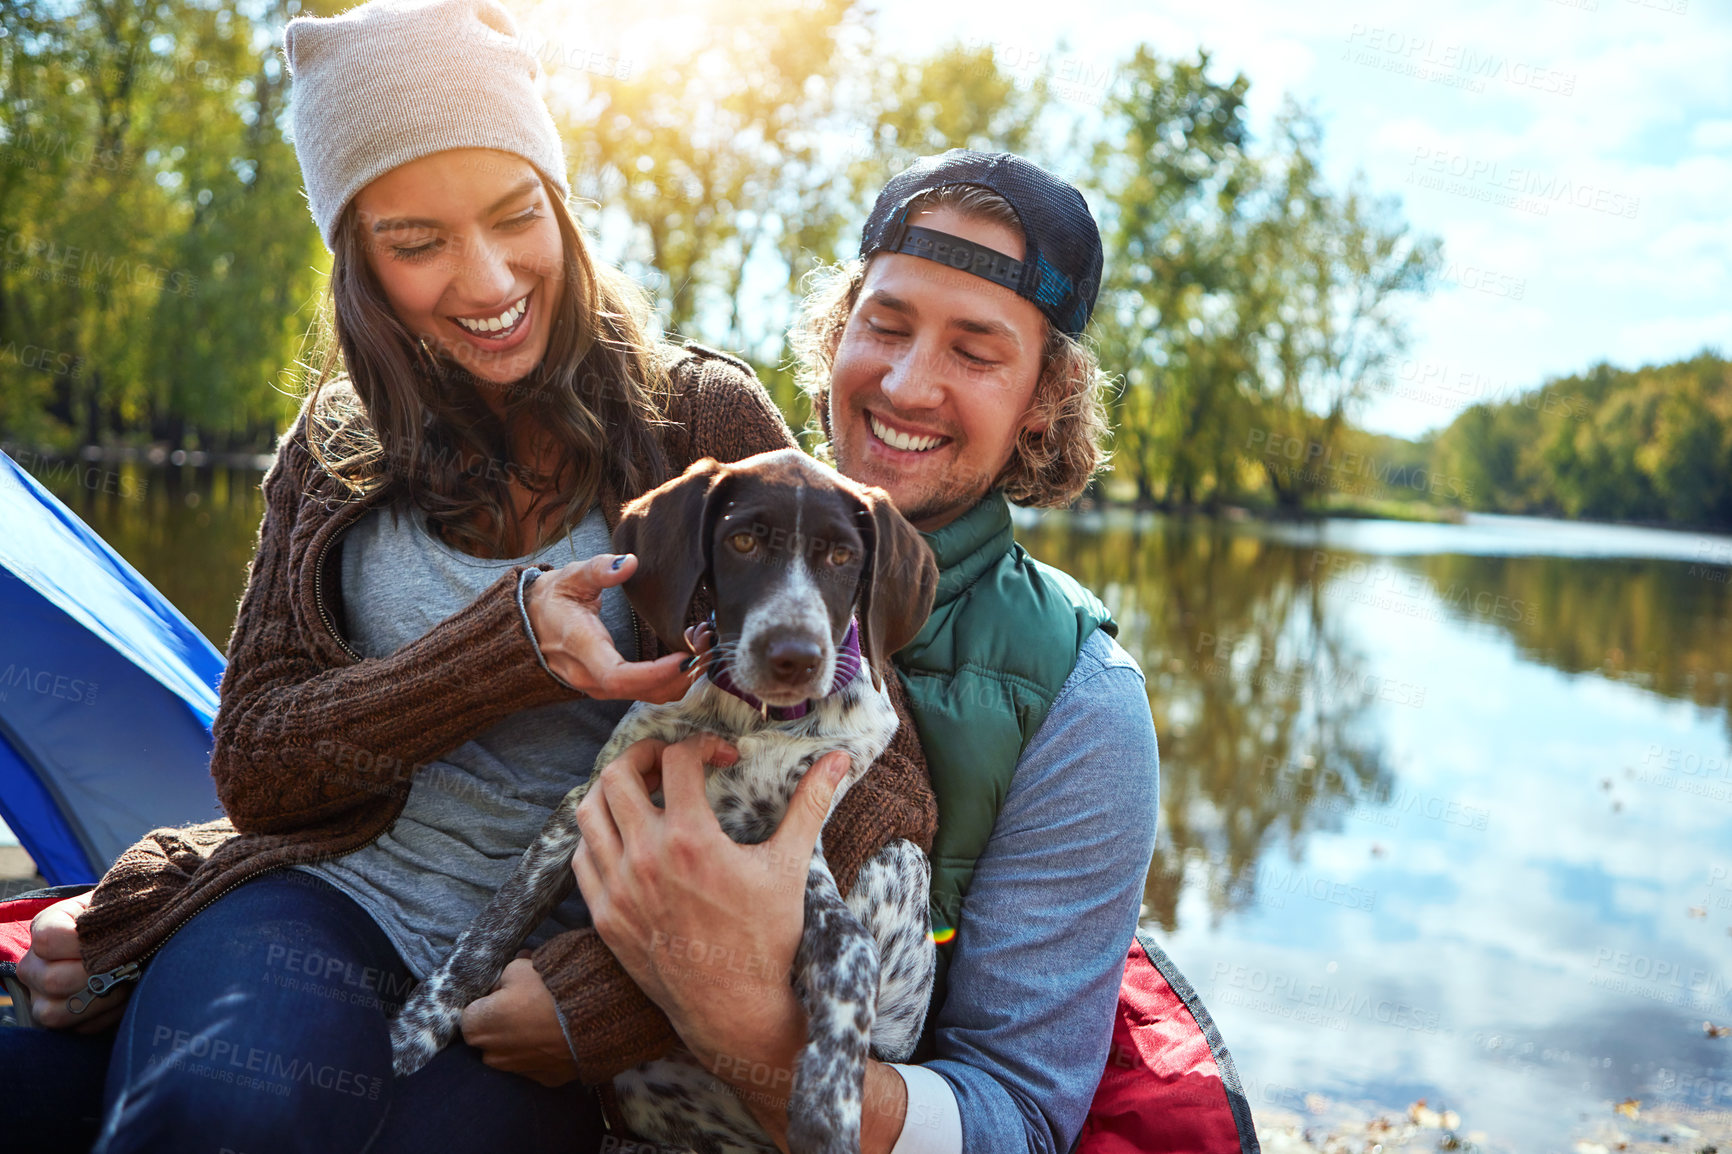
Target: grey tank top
(472,813)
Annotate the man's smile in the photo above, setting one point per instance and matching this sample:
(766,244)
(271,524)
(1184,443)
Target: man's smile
(901,438)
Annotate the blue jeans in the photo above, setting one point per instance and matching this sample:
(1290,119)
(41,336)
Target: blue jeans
(261,1027)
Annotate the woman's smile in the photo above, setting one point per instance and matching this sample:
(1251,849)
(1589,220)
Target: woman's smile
(499,330)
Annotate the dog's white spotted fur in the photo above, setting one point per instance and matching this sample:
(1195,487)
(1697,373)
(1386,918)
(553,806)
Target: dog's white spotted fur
(865,966)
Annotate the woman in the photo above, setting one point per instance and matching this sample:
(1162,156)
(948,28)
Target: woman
(408,694)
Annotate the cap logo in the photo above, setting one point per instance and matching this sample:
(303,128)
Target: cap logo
(965,255)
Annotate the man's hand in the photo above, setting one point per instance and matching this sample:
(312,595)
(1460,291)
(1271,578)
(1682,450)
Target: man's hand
(53,970)
(516,1027)
(564,609)
(708,928)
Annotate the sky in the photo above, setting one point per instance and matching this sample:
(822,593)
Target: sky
(1574,156)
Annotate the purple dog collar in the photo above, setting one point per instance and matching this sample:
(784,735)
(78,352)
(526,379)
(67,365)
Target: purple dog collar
(847,669)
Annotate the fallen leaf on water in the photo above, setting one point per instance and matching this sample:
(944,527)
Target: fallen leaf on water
(1713,1031)
(1423,1115)
(1629,1107)
(1697,911)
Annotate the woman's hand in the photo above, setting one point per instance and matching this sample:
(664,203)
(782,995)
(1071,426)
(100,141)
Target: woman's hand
(564,609)
(53,970)
(516,1027)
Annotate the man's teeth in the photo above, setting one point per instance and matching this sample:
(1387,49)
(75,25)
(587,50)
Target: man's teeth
(495,324)
(898,440)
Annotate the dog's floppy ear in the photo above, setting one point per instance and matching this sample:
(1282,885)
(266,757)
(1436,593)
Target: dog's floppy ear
(668,529)
(897,585)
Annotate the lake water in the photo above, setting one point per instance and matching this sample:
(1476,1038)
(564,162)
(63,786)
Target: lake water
(1446,809)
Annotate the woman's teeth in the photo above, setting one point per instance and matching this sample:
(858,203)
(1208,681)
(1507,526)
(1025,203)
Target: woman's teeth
(498,324)
(898,440)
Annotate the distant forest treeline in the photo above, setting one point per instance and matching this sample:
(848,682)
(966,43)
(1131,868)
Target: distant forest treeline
(1650,444)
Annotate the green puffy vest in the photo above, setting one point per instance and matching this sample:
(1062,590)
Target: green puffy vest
(1004,635)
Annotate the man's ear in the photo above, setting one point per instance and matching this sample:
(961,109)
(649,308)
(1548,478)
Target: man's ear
(897,584)
(668,530)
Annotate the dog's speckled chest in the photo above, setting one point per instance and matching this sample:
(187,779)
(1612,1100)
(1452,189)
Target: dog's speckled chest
(750,796)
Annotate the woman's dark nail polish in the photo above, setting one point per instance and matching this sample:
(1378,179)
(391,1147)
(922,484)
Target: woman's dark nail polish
(620,560)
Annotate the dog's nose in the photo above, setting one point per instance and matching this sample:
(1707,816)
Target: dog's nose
(793,659)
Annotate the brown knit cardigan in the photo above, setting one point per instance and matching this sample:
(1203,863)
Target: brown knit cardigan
(315,749)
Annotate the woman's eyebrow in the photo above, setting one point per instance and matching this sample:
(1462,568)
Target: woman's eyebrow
(527,184)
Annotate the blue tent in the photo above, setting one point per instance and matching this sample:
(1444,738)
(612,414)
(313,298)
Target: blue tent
(106,693)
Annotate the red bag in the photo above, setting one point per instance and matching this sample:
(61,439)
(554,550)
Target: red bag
(1170,1084)
(16,914)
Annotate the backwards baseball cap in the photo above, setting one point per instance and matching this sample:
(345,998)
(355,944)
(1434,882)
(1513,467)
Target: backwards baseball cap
(1060,270)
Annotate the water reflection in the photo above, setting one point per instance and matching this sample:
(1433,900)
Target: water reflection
(1660,625)
(1258,698)
(1440,819)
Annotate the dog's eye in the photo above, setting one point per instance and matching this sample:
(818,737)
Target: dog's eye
(840,555)
(743,542)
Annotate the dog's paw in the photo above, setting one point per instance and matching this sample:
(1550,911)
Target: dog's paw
(418,1033)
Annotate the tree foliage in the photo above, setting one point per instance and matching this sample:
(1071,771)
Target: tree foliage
(157,254)
(1650,444)
(161,270)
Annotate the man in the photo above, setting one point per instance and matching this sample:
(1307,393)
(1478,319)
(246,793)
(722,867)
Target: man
(946,370)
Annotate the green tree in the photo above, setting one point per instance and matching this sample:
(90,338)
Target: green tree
(155,239)
(1327,275)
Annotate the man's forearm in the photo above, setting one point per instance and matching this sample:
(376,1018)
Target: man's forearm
(764,1086)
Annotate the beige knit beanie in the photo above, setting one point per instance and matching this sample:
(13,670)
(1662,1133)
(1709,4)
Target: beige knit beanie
(395,80)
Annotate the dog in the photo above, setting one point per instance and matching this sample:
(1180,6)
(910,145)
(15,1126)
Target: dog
(813,576)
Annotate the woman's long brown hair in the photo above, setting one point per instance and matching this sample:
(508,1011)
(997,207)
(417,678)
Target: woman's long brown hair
(428,433)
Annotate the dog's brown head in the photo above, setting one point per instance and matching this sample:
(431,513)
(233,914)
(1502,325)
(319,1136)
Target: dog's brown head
(790,550)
